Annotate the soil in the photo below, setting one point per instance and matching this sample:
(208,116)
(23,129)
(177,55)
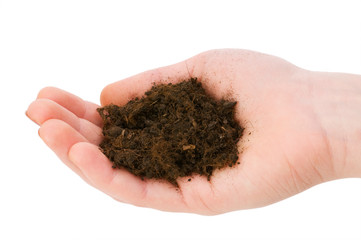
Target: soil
(174,130)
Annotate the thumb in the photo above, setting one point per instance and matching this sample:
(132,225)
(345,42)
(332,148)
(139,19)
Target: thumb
(122,91)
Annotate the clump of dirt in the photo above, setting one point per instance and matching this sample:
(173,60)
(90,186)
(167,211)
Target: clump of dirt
(175,130)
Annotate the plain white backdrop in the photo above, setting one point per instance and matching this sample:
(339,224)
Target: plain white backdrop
(82,45)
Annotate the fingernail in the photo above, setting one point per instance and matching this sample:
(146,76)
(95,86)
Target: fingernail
(27,114)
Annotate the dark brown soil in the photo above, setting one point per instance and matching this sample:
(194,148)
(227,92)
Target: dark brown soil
(175,130)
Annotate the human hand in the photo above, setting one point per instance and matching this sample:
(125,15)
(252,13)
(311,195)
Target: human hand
(302,128)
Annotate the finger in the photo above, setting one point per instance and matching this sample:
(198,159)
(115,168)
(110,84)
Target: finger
(76,105)
(60,137)
(42,110)
(121,92)
(122,185)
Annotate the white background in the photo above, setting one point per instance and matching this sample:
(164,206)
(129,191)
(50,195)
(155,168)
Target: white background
(81,46)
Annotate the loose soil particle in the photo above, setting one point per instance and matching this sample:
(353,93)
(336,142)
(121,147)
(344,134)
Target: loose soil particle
(175,130)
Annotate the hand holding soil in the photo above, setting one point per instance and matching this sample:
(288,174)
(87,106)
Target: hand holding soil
(175,130)
(301,128)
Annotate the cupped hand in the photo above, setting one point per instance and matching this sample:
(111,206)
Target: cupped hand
(286,147)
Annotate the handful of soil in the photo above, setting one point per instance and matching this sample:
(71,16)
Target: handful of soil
(175,130)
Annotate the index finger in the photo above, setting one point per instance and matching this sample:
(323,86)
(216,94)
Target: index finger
(82,109)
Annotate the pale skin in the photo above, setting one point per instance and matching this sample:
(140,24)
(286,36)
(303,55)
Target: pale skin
(302,128)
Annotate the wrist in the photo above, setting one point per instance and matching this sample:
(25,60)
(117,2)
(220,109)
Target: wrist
(338,106)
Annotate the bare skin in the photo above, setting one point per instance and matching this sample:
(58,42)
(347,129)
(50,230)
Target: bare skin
(302,128)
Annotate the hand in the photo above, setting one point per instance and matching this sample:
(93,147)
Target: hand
(301,129)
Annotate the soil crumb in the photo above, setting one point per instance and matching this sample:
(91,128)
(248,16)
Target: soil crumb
(174,130)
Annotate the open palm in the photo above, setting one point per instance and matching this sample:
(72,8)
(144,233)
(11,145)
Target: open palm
(282,152)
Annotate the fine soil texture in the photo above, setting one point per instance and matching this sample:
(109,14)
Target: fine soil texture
(175,130)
